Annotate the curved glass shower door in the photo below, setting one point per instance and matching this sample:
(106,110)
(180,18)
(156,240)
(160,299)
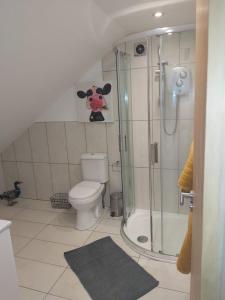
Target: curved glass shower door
(176,122)
(125,127)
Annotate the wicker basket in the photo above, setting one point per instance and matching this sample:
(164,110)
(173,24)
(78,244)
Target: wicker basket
(60,200)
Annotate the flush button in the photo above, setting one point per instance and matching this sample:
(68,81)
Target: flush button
(179,83)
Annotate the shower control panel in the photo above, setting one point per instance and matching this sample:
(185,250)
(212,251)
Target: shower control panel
(181,81)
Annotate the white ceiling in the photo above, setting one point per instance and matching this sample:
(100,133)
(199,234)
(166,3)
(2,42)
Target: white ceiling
(135,16)
(113,6)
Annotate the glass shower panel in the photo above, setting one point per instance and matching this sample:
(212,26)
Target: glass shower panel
(126,136)
(175,135)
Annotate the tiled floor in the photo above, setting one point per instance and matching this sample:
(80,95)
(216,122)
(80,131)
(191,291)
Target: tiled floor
(41,235)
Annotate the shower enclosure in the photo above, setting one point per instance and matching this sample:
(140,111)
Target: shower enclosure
(158,229)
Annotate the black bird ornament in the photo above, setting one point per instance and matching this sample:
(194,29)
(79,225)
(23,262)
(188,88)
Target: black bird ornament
(11,195)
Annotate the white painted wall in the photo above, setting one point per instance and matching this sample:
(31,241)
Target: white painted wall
(2,184)
(46,46)
(64,109)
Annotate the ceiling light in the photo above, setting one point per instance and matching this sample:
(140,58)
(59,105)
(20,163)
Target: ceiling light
(158,14)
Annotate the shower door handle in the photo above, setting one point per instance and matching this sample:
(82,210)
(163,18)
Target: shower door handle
(155,156)
(190,196)
(125,143)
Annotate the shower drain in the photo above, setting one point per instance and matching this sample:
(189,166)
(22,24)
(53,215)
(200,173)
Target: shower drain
(142,238)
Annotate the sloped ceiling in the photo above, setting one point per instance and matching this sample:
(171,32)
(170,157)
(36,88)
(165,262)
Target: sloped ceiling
(47,45)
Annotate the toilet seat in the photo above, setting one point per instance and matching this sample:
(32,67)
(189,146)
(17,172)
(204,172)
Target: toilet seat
(85,192)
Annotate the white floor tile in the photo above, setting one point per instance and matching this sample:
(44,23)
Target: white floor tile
(69,286)
(167,275)
(163,294)
(36,275)
(33,215)
(106,215)
(27,294)
(18,242)
(109,226)
(40,205)
(64,219)
(51,297)
(116,238)
(65,235)
(46,252)
(8,212)
(26,229)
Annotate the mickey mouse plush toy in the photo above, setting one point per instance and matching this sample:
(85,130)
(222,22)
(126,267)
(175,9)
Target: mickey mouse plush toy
(96,101)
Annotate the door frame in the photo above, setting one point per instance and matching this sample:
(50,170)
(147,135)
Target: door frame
(202,7)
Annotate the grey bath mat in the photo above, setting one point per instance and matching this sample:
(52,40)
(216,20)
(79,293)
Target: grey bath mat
(108,273)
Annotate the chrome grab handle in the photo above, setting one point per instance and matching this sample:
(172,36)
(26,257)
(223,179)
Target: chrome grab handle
(189,196)
(155,152)
(125,143)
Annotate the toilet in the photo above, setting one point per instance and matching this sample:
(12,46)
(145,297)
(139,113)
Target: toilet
(86,196)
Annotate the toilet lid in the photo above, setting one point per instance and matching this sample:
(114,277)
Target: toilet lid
(84,189)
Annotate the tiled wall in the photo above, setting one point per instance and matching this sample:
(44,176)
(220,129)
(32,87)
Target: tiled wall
(179,49)
(47,156)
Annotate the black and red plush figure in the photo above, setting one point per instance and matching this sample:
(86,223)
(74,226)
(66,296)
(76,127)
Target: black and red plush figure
(96,101)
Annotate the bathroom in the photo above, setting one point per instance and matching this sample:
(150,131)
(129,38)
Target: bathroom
(146,74)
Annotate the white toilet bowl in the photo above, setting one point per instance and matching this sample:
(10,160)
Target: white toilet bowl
(86,198)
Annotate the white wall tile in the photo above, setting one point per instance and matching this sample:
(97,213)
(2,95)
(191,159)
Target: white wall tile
(187,102)
(75,174)
(9,154)
(115,181)
(169,187)
(185,140)
(187,46)
(113,142)
(111,77)
(141,183)
(57,142)
(26,175)
(156,189)
(76,141)
(170,49)
(22,148)
(10,174)
(39,143)
(139,94)
(43,181)
(60,178)
(109,61)
(96,137)
(140,141)
(136,61)
(155,46)
(155,94)
(168,150)
(170,190)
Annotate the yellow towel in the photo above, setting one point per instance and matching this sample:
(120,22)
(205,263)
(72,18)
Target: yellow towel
(185,180)
(185,183)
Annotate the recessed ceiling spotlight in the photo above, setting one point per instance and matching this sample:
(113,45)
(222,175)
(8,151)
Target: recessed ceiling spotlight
(158,14)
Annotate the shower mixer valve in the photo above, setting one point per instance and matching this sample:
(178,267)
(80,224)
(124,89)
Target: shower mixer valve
(180,81)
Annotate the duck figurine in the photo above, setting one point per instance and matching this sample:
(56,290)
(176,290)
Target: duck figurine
(11,195)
